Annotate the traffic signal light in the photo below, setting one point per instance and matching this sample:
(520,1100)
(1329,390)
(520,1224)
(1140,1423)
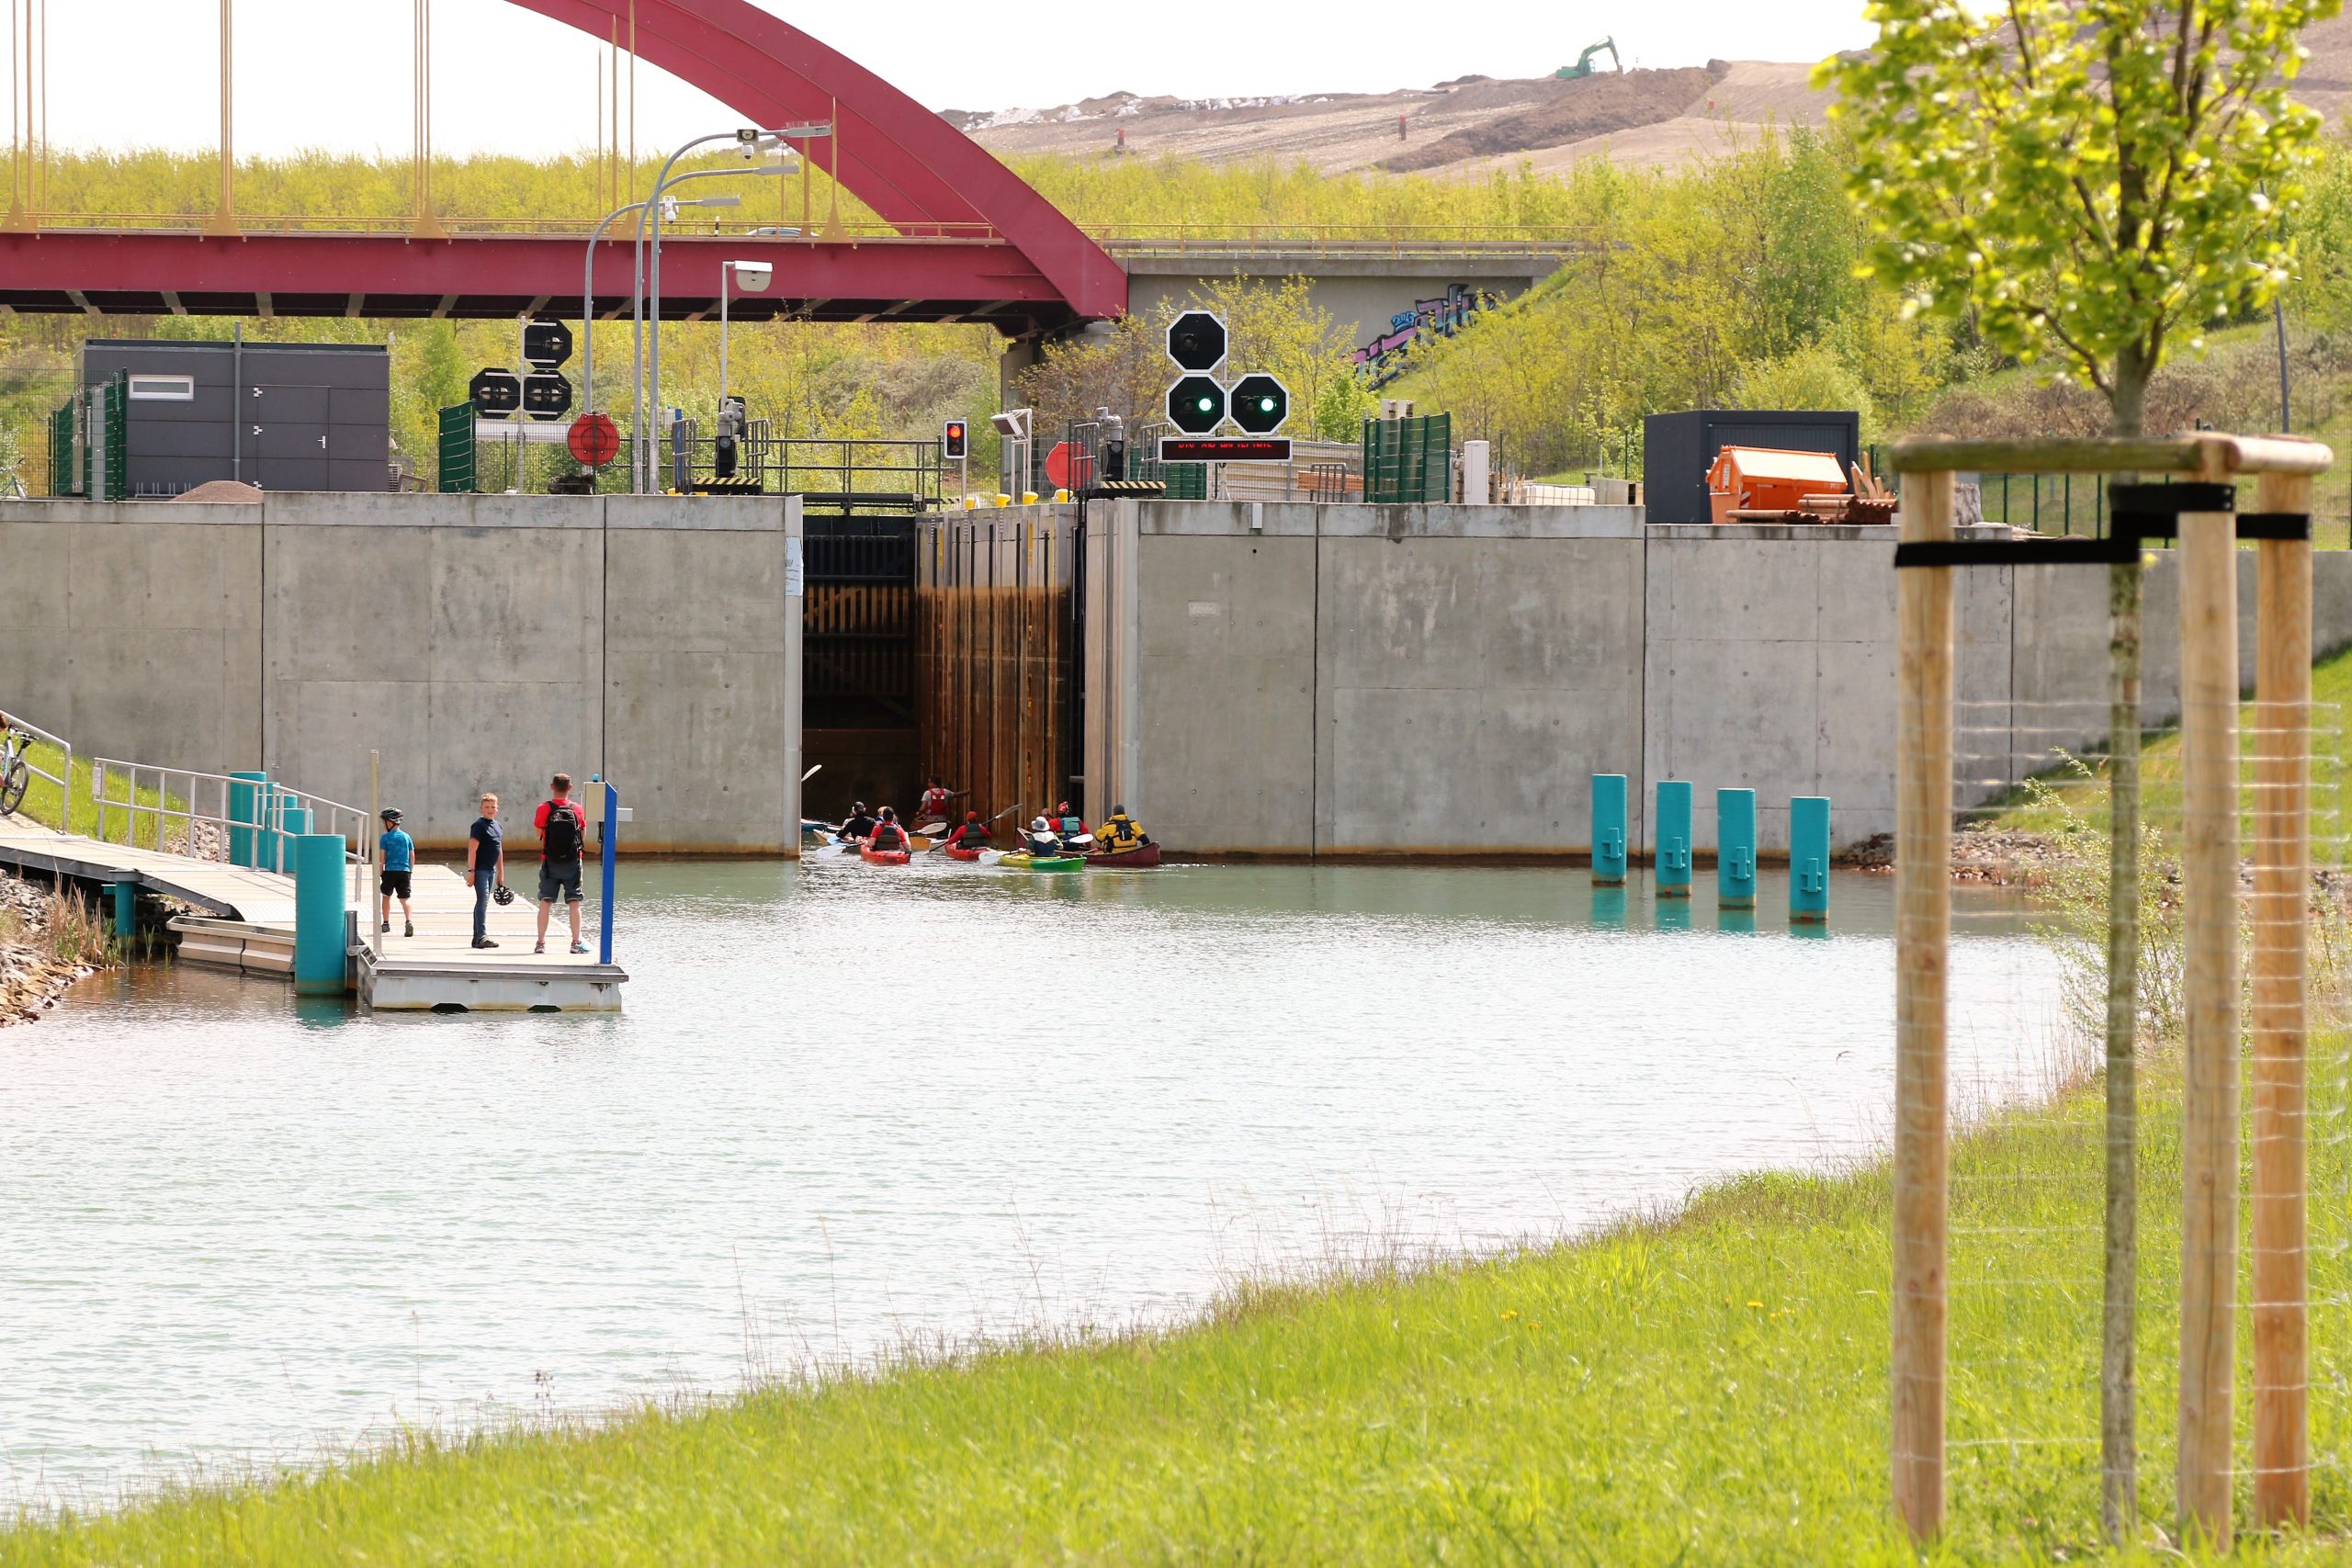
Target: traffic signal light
(1195,405)
(954,440)
(1196,341)
(547,342)
(547,394)
(1261,404)
(494,392)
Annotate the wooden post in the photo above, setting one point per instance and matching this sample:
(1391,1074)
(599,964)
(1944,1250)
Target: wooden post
(2282,1493)
(1922,950)
(2208,698)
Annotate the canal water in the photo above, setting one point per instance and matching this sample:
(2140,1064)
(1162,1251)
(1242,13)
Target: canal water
(850,1109)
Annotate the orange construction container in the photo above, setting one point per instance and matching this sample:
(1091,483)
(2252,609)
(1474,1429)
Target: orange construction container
(1762,478)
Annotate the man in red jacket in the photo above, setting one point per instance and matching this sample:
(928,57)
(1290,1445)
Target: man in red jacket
(563,839)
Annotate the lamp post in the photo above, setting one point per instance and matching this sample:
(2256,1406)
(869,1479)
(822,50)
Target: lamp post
(640,416)
(751,142)
(754,276)
(588,305)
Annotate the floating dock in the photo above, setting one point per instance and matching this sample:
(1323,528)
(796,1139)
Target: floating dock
(247,923)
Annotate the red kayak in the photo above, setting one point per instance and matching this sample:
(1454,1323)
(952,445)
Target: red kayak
(1143,857)
(872,856)
(957,851)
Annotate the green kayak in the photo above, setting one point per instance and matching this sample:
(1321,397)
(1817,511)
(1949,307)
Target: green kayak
(1022,860)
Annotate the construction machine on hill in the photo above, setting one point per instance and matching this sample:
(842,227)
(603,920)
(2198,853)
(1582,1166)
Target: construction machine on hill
(1583,67)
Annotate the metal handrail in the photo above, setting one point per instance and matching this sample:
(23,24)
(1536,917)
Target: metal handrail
(846,230)
(194,784)
(65,784)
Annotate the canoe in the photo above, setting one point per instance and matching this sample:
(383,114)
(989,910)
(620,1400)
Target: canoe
(957,851)
(1022,860)
(873,856)
(1143,857)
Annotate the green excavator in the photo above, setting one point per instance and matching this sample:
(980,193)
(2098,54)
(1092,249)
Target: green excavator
(1583,67)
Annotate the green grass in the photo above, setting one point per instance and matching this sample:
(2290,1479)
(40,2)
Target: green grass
(1709,1388)
(2068,794)
(42,800)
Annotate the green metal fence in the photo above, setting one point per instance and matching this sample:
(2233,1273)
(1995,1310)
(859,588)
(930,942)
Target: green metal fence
(456,472)
(1408,460)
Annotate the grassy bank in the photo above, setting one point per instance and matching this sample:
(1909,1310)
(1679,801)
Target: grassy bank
(1707,1390)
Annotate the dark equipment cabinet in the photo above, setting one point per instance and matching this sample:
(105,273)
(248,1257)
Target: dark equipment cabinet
(1678,449)
(282,416)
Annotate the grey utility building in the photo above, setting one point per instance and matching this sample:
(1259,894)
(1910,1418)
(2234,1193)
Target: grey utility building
(285,416)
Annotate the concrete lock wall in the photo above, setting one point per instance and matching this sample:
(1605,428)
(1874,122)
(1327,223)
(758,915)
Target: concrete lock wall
(1445,680)
(473,642)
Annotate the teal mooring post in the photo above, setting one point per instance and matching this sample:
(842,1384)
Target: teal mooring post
(1809,859)
(126,907)
(245,793)
(1608,830)
(1672,838)
(1736,848)
(319,926)
(293,821)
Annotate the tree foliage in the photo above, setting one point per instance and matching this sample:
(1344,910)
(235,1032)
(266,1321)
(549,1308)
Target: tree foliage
(2082,178)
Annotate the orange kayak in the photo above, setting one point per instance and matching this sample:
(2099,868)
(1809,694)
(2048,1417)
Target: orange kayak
(872,856)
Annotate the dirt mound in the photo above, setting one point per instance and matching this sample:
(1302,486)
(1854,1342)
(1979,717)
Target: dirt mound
(217,491)
(1569,111)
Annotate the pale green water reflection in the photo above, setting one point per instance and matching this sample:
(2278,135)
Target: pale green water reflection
(845,1104)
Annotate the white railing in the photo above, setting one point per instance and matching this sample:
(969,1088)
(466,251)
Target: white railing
(203,802)
(64,785)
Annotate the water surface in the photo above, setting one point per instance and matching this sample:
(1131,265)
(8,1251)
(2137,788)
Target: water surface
(846,1106)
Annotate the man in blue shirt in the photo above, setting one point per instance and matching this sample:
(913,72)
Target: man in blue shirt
(395,861)
(485,866)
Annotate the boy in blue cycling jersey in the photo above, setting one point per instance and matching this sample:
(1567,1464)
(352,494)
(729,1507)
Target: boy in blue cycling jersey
(396,863)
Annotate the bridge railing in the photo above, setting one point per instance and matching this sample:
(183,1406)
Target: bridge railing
(64,785)
(141,801)
(1338,241)
(848,230)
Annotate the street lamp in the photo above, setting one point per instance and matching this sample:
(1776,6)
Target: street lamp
(754,276)
(650,210)
(752,141)
(588,304)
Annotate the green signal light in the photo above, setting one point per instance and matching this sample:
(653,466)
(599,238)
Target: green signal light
(1205,404)
(1266,405)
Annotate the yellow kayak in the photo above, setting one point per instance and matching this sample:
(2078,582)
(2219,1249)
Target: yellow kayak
(1022,860)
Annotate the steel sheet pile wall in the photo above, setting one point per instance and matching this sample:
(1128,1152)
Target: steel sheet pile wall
(995,692)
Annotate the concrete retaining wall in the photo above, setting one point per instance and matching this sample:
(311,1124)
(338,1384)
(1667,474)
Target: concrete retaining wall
(474,642)
(1445,680)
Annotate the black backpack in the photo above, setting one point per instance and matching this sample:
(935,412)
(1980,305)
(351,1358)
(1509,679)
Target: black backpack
(563,830)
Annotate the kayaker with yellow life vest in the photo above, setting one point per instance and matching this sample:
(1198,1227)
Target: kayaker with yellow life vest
(1120,832)
(970,833)
(887,834)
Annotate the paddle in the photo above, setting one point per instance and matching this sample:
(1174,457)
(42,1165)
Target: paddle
(997,817)
(812,772)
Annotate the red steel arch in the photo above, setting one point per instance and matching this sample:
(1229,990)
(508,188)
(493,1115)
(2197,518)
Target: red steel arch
(975,243)
(900,158)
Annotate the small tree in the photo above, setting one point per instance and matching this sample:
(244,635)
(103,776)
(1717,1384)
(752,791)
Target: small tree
(2088,178)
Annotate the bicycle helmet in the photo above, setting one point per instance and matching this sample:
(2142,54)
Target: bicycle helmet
(502,894)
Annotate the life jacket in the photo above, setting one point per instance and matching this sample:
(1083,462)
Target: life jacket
(935,804)
(888,836)
(1044,844)
(1121,830)
(1071,826)
(969,835)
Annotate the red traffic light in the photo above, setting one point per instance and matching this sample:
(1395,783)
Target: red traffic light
(954,440)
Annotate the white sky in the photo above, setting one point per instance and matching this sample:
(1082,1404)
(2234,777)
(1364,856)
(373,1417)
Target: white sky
(335,73)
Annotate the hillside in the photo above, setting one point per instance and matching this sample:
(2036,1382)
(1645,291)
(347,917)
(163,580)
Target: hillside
(1478,123)
(1643,117)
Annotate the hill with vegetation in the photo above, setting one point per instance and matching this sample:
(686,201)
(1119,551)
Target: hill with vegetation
(1726,280)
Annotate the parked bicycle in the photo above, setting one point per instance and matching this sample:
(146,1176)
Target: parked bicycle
(15,769)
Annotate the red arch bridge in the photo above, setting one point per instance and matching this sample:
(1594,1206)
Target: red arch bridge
(960,237)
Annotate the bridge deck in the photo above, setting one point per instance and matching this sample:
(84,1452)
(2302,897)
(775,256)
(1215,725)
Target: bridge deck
(437,968)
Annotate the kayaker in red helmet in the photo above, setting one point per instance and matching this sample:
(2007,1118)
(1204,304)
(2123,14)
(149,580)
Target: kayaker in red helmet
(887,834)
(970,833)
(1068,824)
